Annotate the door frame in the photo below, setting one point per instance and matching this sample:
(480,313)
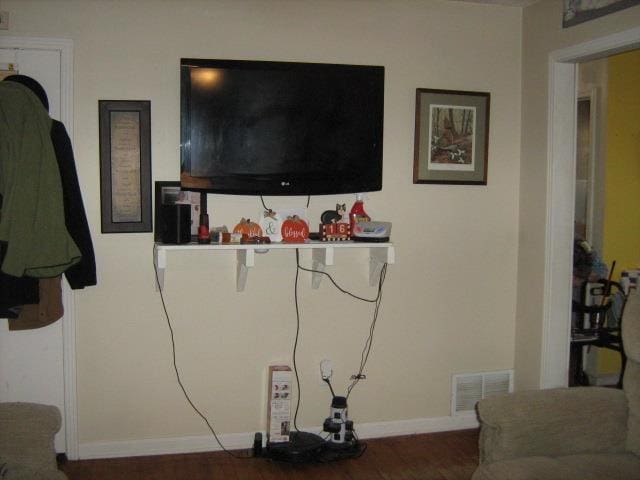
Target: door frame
(65,49)
(561,164)
(593,97)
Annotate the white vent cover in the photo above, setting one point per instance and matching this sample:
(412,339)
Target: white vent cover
(469,388)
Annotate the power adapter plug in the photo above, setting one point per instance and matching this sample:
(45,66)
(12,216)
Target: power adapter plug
(326,369)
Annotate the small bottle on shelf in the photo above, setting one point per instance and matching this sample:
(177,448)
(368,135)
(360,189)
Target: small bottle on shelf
(204,236)
(357,213)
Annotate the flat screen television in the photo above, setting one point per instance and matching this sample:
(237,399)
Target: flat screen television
(280,128)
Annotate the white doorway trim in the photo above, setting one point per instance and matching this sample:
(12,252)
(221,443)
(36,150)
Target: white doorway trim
(592,96)
(561,137)
(65,49)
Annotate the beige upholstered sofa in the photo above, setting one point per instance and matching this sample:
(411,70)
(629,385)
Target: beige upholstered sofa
(26,442)
(567,433)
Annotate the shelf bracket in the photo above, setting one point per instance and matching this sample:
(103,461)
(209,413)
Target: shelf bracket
(321,257)
(377,258)
(246,259)
(160,263)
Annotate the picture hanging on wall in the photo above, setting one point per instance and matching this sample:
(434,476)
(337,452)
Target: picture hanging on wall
(125,165)
(451,137)
(579,11)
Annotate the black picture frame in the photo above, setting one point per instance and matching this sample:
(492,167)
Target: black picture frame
(575,12)
(451,137)
(125,166)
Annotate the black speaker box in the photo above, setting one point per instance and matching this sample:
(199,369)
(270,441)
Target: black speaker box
(174,223)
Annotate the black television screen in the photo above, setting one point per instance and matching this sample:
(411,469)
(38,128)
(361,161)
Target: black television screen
(280,128)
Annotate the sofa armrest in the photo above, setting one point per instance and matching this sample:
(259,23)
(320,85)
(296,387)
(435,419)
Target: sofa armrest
(555,422)
(27,433)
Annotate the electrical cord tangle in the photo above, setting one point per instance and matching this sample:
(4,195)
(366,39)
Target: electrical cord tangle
(356,378)
(364,357)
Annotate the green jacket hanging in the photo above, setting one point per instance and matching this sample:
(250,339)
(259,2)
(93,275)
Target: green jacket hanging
(32,215)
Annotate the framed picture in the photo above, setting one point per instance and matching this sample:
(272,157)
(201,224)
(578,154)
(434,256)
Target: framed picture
(578,11)
(125,165)
(169,193)
(451,137)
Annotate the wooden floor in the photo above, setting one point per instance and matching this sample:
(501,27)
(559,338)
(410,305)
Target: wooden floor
(437,456)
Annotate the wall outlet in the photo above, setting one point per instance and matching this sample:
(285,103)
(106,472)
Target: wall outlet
(4,20)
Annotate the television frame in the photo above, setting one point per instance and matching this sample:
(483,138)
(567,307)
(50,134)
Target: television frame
(280,184)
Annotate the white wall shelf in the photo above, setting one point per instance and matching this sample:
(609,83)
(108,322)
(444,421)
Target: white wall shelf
(322,255)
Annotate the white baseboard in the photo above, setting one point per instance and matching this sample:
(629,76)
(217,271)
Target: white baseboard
(416,425)
(235,441)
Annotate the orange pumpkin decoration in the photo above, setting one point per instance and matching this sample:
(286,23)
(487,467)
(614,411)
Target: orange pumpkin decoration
(248,228)
(294,230)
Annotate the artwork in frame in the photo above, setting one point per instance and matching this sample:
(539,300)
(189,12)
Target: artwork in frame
(579,11)
(125,165)
(451,137)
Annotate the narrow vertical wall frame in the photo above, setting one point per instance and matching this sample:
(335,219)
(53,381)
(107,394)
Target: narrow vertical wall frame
(125,165)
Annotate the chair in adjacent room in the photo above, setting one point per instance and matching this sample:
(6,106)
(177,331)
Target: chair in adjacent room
(596,323)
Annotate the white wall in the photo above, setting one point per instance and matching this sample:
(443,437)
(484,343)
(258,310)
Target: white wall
(449,301)
(542,34)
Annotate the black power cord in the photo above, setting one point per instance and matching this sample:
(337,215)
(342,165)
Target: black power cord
(182,387)
(295,343)
(268,209)
(328,382)
(364,357)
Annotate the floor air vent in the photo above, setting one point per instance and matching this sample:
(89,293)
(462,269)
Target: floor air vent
(469,388)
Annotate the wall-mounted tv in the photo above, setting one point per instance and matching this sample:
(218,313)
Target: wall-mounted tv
(280,128)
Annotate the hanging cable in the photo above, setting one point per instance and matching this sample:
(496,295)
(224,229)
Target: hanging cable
(263,204)
(268,209)
(177,372)
(364,356)
(335,284)
(295,344)
(328,382)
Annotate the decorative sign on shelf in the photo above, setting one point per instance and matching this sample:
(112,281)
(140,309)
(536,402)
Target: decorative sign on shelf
(248,228)
(335,226)
(271,224)
(271,221)
(294,230)
(335,232)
